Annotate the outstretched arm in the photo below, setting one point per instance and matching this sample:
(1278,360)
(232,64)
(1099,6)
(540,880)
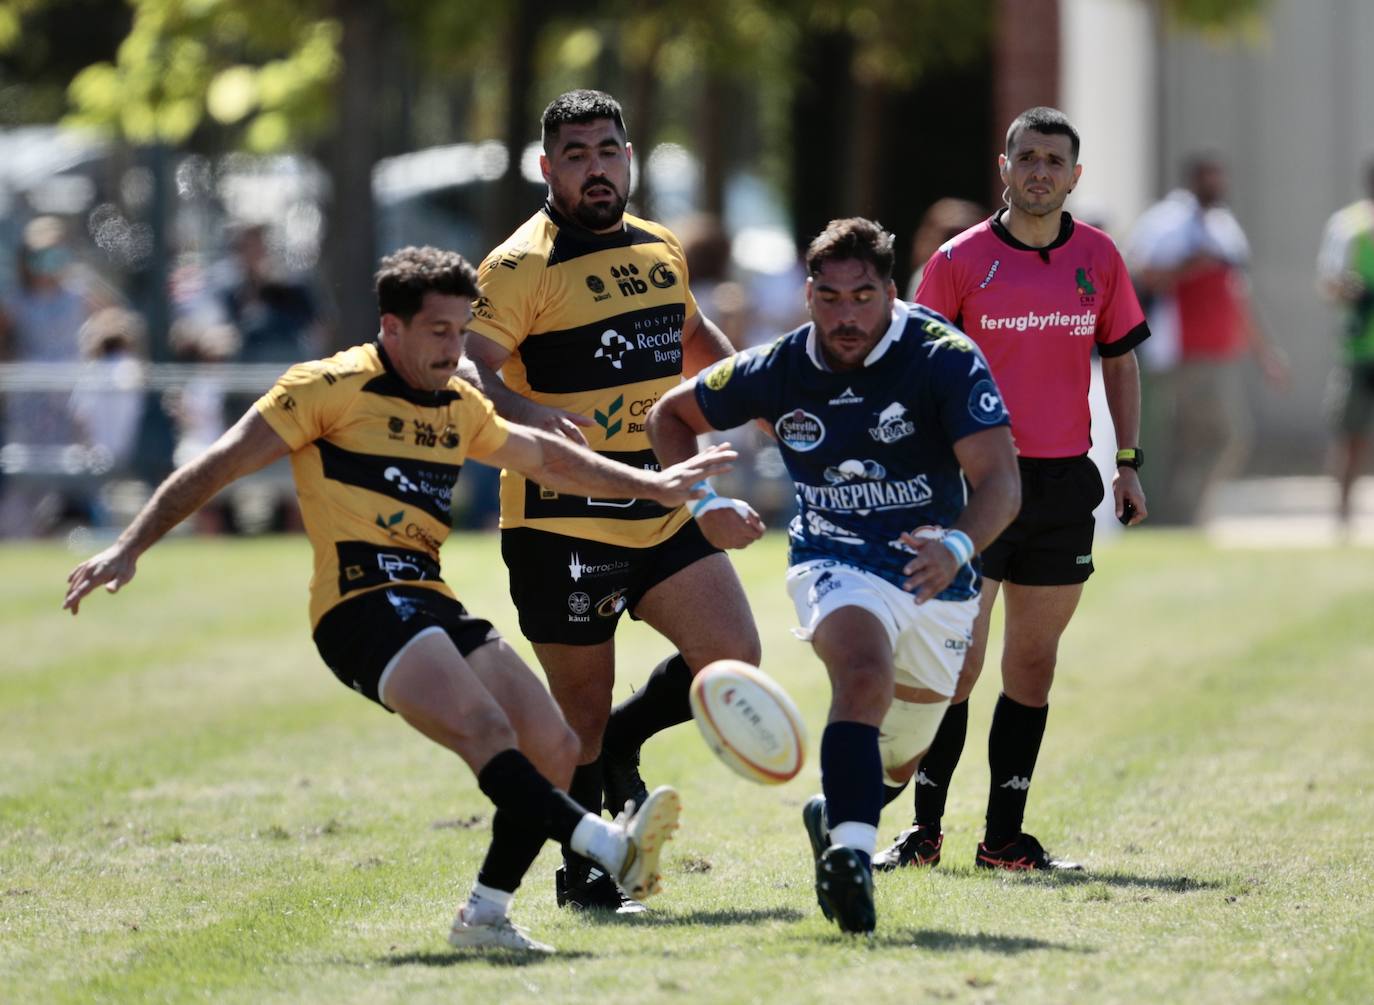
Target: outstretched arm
(480,366)
(988,459)
(556,464)
(673,424)
(247,447)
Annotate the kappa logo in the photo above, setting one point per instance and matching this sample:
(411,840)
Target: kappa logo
(892,424)
(613,346)
(1018,782)
(662,276)
(846,397)
(987,280)
(923,779)
(627,280)
(606,420)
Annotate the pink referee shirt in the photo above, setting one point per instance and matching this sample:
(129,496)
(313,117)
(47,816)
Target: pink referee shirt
(1037,313)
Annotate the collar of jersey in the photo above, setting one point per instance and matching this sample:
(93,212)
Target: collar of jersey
(900,313)
(396,386)
(1000,229)
(615,238)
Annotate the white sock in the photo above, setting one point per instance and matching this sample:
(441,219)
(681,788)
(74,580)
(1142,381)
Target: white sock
(852,834)
(486,904)
(602,843)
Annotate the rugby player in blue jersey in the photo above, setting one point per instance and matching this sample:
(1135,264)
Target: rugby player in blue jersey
(895,434)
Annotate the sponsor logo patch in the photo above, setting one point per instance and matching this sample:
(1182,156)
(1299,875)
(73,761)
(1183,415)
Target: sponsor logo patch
(721,373)
(985,404)
(800,430)
(892,424)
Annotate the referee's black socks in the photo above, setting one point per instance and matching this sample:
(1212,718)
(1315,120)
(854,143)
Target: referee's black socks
(936,769)
(1013,746)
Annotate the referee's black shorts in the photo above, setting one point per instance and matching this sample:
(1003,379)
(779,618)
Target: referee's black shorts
(572,591)
(360,638)
(1050,543)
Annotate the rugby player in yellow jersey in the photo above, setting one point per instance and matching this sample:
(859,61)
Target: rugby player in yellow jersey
(586,312)
(377,435)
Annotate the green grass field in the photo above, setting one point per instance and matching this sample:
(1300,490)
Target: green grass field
(192,808)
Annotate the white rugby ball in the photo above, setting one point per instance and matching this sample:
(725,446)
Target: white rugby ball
(749,721)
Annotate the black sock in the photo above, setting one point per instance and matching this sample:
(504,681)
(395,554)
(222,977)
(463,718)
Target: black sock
(513,849)
(936,770)
(660,703)
(1013,746)
(891,792)
(511,782)
(585,790)
(851,774)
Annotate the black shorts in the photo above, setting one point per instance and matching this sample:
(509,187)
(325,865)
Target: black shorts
(572,591)
(360,637)
(1050,543)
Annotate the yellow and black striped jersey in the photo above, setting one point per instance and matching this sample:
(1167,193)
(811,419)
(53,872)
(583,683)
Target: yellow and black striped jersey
(594,324)
(375,462)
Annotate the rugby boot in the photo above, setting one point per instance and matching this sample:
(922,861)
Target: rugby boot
(916,846)
(1023,854)
(844,887)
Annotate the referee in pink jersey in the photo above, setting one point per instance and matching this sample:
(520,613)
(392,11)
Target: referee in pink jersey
(1039,292)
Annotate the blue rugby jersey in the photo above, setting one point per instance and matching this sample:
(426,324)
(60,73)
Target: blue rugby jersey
(871,450)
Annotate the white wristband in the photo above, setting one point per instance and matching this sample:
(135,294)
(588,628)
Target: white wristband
(721,502)
(960,545)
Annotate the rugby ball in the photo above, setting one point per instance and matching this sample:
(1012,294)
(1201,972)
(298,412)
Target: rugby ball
(749,721)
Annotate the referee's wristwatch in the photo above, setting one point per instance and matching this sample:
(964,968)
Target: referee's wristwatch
(1130,457)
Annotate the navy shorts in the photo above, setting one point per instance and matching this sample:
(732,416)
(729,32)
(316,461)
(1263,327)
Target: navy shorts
(359,638)
(1050,543)
(572,591)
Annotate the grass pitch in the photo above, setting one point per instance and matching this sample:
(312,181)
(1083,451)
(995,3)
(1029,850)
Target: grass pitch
(191,808)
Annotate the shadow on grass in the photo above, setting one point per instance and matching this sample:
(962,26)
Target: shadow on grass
(933,939)
(656,919)
(1065,877)
(486,957)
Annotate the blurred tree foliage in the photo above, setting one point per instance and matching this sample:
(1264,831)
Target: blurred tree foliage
(804,91)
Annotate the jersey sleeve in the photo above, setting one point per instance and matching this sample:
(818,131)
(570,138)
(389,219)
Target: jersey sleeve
(939,288)
(303,405)
(967,398)
(506,310)
(1121,322)
(738,388)
(690,305)
(484,430)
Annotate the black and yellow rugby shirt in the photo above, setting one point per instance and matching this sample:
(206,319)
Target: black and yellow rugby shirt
(375,462)
(594,324)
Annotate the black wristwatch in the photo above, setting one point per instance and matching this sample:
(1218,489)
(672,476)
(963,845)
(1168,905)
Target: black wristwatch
(1130,457)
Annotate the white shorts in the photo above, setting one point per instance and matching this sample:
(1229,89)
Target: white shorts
(928,640)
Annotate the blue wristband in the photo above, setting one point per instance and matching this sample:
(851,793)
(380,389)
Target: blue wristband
(960,545)
(698,505)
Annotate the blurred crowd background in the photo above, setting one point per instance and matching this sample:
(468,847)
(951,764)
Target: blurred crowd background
(194,193)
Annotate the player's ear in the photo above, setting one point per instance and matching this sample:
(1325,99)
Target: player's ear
(629,151)
(391,325)
(1077,174)
(1002,166)
(544,167)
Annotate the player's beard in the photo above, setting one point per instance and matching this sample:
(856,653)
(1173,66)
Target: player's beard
(603,215)
(827,341)
(1054,204)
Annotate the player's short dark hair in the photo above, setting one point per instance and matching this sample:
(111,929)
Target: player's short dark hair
(852,239)
(579,107)
(405,276)
(1046,120)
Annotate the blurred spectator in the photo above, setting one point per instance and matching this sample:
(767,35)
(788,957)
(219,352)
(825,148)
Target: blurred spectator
(706,246)
(107,402)
(198,407)
(1345,274)
(40,323)
(1190,256)
(944,219)
(277,317)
